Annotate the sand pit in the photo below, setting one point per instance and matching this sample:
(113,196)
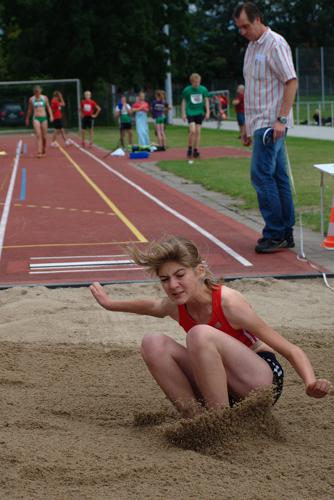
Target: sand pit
(82,418)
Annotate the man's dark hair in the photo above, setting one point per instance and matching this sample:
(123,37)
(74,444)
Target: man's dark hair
(251,10)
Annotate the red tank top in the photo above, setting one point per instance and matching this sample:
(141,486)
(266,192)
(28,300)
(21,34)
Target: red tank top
(218,320)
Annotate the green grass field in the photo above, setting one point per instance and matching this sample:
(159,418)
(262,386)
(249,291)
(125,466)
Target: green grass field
(231,175)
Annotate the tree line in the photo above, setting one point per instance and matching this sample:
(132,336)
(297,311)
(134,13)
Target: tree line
(125,43)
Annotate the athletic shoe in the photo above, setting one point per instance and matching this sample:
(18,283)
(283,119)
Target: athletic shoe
(83,144)
(196,153)
(267,245)
(289,239)
(189,152)
(53,144)
(67,142)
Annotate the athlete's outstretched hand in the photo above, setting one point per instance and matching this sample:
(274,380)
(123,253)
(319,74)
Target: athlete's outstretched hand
(318,389)
(99,294)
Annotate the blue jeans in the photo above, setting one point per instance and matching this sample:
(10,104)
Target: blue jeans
(271,182)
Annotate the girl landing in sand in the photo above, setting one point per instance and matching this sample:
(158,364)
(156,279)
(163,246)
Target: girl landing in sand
(229,350)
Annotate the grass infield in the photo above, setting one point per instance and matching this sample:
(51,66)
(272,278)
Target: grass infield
(231,175)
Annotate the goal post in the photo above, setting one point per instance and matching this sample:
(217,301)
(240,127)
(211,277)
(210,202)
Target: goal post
(20,91)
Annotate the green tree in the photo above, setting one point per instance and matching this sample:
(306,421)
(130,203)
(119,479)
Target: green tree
(124,43)
(119,42)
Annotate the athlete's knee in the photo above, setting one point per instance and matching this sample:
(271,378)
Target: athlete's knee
(153,346)
(198,338)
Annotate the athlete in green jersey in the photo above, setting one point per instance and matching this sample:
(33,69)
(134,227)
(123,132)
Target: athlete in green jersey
(195,108)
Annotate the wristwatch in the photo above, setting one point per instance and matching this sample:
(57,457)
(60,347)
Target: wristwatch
(283,120)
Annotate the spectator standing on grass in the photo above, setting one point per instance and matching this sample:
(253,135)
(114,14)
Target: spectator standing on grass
(158,107)
(239,105)
(123,112)
(270,89)
(89,110)
(195,107)
(141,109)
(57,104)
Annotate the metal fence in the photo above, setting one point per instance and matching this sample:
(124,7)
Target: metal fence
(315,96)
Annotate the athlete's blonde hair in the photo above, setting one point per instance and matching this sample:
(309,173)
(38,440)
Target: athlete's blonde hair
(87,94)
(171,249)
(195,76)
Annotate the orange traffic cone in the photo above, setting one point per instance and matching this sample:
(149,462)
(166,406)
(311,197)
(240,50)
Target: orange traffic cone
(329,240)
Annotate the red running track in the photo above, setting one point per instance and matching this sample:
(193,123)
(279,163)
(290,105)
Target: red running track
(67,218)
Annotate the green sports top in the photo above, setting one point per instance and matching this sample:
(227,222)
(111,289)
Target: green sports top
(195,99)
(38,103)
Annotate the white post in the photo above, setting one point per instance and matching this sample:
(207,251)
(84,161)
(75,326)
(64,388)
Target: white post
(113,99)
(168,79)
(298,79)
(320,114)
(322,74)
(78,104)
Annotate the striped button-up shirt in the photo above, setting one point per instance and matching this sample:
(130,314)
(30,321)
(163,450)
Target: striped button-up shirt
(268,66)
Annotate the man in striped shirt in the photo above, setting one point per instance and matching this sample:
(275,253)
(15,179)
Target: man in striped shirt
(270,88)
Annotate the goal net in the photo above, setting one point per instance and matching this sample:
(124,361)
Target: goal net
(19,92)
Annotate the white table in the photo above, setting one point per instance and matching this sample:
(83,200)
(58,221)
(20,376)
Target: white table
(325,168)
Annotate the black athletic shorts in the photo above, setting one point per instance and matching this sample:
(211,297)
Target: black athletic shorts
(125,126)
(87,122)
(198,119)
(58,124)
(278,375)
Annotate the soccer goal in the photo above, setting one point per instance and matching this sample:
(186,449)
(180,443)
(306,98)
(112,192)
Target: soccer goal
(219,105)
(18,93)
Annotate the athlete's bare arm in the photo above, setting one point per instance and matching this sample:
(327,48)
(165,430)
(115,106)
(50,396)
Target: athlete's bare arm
(241,315)
(159,308)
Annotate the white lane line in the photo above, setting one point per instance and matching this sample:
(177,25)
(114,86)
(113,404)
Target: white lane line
(55,257)
(93,270)
(5,212)
(177,214)
(87,263)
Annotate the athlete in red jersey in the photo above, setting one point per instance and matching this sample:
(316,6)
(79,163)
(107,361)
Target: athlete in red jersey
(89,110)
(57,104)
(221,362)
(239,104)
(218,319)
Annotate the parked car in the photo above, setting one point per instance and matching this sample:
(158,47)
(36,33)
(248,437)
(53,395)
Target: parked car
(11,114)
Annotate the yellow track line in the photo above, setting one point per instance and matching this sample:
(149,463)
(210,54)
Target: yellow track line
(48,207)
(105,198)
(4,182)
